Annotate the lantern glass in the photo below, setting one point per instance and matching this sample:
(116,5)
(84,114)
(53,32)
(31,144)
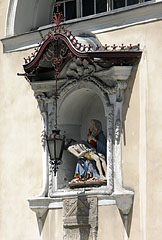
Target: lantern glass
(55,144)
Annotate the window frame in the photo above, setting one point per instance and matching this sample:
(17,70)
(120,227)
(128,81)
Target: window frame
(79,7)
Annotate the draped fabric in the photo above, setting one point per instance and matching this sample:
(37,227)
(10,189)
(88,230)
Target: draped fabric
(86,168)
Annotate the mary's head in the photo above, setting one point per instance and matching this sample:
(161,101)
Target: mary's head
(95,127)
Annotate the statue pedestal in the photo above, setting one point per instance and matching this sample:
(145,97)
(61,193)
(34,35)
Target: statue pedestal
(80,219)
(83,184)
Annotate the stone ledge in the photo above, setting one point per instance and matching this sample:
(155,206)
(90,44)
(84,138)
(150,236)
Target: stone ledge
(123,199)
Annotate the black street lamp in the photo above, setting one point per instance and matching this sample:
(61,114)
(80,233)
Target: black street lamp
(55,143)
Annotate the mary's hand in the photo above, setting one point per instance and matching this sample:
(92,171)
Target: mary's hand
(90,138)
(82,154)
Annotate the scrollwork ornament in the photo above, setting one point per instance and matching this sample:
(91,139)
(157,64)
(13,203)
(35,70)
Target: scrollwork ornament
(122,85)
(111,116)
(50,180)
(56,54)
(41,101)
(43,138)
(103,87)
(55,165)
(110,146)
(80,69)
(117,130)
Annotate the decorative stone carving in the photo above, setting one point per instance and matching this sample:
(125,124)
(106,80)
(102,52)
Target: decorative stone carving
(51,120)
(122,85)
(43,106)
(110,135)
(51,183)
(43,138)
(117,130)
(83,75)
(104,70)
(80,68)
(80,219)
(103,87)
(117,147)
(109,84)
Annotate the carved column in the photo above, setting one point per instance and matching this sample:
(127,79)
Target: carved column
(118,105)
(47,108)
(110,133)
(80,219)
(43,109)
(117,147)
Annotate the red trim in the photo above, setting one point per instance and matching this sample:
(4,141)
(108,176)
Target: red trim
(79,50)
(46,43)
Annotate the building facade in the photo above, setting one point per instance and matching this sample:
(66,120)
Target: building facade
(111,72)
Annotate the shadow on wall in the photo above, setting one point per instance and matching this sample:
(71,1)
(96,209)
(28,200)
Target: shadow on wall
(127,219)
(83,218)
(127,97)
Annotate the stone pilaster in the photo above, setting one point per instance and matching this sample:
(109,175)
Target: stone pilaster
(80,219)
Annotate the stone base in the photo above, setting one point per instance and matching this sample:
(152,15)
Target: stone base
(80,219)
(79,233)
(87,184)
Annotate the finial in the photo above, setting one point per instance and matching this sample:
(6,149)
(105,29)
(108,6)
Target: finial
(58,16)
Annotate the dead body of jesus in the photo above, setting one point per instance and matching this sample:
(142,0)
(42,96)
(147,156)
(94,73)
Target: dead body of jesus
(80,150)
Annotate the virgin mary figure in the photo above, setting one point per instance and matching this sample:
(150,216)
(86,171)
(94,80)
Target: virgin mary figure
(91,163)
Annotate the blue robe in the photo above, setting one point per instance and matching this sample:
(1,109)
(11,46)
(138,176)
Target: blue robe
(87,168)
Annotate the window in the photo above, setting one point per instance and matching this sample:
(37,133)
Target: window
(68,8)
(124,3)
(82,8)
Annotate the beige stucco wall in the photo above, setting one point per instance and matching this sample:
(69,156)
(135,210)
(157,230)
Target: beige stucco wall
(110,224)
(53,227)
(20,147)
(20,151)
(3,14)
(142,166)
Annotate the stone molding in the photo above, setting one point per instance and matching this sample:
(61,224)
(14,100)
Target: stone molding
(112,104)
(81,211)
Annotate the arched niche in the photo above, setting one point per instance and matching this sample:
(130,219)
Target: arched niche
(75,111)
(24,16)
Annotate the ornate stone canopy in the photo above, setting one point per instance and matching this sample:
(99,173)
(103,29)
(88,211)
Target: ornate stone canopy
(78,62)
(84,70)
(69,56)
